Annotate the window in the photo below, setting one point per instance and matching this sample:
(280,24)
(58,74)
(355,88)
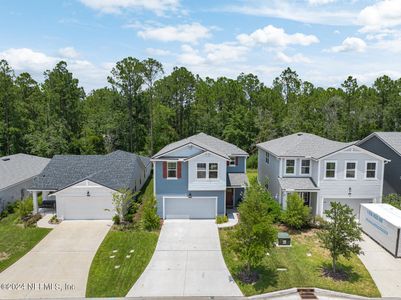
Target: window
(290,166)
(267,157)
(371,170)
(350,169)
(171,170)
(201,170)
(213,170)
(305,166)
(233,161)
(330,169)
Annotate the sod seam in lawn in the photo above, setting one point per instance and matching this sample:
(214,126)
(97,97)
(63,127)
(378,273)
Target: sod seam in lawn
(302,270)
(16,240)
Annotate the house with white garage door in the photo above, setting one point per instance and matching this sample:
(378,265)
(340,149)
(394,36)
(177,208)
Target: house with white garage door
(199,177)
(321,171)
(82,186)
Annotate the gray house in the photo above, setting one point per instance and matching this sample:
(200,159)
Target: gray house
(321,171)
(82,186)
(16,174)
(198,177)
(388,145)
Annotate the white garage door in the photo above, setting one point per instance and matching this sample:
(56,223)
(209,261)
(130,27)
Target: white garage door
(190,208)
(87,208)
(353,203)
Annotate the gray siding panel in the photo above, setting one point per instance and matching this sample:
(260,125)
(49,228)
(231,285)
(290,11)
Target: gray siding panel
(269,172)
(240,168)
(14,193)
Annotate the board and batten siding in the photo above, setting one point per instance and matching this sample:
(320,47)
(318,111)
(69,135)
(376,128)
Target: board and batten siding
(392,170)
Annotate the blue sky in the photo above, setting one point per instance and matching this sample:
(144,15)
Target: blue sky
(323,40)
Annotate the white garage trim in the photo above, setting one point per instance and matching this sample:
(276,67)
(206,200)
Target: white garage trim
(186,197)
(334,198)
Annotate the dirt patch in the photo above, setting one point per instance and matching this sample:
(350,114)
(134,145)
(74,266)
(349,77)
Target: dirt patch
(4,256)
(339,275)
(248,277)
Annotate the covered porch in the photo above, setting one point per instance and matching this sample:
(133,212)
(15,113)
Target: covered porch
(48,202)
(236,185)
(305,187)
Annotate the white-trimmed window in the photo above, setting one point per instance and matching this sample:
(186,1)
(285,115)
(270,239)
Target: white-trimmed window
(350,169)
(267,158)
(290,166)
(171,169)
(233,161)
(305,166)
(371,170)
(201,170)
(213,170)
(330,171)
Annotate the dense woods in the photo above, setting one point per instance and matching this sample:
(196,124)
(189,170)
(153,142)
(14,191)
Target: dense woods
(144,109)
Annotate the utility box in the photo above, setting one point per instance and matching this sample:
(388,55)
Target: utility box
(284,239)
(382,222)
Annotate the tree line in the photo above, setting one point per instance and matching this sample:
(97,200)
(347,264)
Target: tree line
(143,109)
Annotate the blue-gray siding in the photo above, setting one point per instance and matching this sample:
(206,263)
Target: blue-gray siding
(239,168)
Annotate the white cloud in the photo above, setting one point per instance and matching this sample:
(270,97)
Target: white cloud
(297,58)
(276,37)
(25,59)
(68,52)
(350,44)
(190,56)
(117,6)
(381,15)
(157,52)
(186,33)
(320,2)
(224,52)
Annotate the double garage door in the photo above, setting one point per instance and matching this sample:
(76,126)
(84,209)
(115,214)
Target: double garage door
(353,203)
(85,208)
(190,208)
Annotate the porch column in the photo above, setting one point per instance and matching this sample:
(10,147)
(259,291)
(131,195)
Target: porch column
(35,202)
(284,203)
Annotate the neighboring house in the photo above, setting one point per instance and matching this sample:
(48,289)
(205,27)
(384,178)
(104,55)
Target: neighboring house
(321,171)
(16,174)
(388,145)
(83,185)
(198,177)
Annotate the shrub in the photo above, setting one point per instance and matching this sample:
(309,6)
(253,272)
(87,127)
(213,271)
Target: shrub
(150,219)
(32,220)
(9,209)
(116,219)
(221,219)
(24,208)
(393,199)
(121,201)
(252,162)
(297,215)
(318,222)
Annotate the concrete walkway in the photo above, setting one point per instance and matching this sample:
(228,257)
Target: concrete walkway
(383,267)
(58,266)
(232,219)
(187,262)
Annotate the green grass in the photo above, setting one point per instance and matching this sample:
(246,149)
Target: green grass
(104,279)
(302,271)
(252,174)
(16,241)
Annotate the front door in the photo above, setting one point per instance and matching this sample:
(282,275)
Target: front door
(229,198)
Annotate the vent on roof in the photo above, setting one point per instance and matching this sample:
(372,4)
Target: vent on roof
(5,159)
(299,134)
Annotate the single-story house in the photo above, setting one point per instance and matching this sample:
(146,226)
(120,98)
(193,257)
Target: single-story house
(82,186)
(16,175)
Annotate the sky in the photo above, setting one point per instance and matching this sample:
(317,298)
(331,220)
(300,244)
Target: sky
(325,41)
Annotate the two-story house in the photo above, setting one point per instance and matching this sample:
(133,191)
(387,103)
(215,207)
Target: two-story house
(198,177)
(321,171)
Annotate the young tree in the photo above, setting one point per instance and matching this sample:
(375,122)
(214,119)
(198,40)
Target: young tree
(393,199)
(341,234)
(297,214)
(255,233)
(121,200)
(150,219)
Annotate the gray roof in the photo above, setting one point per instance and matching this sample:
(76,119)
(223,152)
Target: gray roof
(297,183)
(207,142)
(302,145)
(237,179)
(117,170)
(393,139)
(20,167)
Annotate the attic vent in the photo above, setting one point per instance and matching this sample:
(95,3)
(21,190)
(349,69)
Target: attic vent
(5,159)
(299,134)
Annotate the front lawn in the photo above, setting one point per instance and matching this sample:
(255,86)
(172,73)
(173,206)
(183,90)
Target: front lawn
(16,241)
(252,174)
(301,270)
(121,258)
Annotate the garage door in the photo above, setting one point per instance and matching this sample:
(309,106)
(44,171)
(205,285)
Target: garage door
(353,203)
(190,208)
(87,208)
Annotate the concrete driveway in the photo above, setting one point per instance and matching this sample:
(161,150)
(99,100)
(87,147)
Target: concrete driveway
(187,262)
(383,267)
(58,266)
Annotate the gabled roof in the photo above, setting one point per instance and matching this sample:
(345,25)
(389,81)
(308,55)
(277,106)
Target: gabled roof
(117,170)
(206,142)
(302,145)
(237,179)
(391,139)
(20,167)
